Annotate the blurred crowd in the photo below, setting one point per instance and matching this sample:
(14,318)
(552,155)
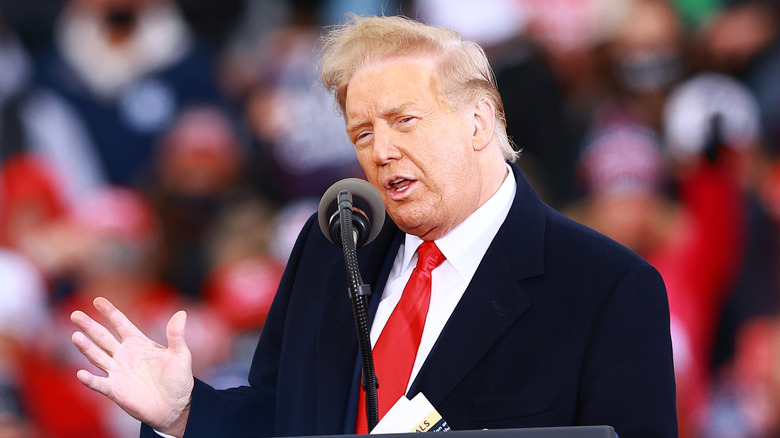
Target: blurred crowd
(165,153)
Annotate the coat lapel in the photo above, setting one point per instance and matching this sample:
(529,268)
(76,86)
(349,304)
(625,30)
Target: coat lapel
(494,299)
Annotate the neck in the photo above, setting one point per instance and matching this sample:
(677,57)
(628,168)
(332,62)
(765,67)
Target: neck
(494,172)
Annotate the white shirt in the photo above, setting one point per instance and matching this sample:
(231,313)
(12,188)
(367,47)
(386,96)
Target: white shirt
(464,247)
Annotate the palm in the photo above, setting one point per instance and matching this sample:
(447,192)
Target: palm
(151,382)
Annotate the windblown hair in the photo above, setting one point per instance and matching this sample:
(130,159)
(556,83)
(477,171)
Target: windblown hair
(462,65)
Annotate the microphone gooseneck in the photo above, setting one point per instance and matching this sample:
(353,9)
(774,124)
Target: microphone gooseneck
(351,214)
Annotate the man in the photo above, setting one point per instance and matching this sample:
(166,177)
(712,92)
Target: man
(533,320)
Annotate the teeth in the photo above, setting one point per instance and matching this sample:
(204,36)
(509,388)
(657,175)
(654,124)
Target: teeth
(398,181)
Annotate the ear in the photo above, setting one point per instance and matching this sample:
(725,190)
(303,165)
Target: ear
(484,123)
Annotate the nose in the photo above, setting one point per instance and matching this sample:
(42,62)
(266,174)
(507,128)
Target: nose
(385,146)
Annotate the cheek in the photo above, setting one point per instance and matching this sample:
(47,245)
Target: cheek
(453,165)
(365,161)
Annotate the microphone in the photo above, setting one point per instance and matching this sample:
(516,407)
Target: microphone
(368,210)
(356,199)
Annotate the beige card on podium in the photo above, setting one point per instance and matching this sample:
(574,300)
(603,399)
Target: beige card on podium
(410,416)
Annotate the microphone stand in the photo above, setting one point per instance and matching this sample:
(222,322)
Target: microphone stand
(359,294)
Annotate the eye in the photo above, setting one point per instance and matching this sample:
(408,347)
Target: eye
(362,137)
(405,123)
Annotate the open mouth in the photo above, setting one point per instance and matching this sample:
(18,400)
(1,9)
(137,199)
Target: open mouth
(400,184)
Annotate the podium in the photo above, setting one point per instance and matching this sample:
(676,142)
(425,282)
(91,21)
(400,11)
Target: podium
(531,432)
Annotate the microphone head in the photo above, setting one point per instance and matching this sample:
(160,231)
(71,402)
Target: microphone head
(365,198)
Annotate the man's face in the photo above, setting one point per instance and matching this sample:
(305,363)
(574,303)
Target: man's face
(413,146)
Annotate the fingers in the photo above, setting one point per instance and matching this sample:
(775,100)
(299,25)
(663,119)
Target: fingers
(99,334)
(93,382)
(123,327)
(97,356)
(174,331)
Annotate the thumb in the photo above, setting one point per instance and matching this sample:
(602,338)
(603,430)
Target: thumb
(174,331)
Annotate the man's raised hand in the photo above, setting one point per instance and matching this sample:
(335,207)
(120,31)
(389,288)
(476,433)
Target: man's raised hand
(149,381)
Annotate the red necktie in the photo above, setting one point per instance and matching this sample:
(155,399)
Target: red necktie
(396,348)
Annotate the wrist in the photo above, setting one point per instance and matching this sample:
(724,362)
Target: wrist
(177,423)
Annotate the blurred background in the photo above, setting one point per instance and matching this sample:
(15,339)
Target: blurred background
(165,153)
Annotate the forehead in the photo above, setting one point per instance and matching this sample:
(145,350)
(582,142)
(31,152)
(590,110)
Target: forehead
(649,24)
(390,83)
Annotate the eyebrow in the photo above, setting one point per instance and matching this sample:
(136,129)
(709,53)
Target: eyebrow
(356,126)
(397,109)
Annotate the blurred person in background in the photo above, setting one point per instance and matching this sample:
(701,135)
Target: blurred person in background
(737,36)
(622,174)
(642,56)
(716,100)
(566,32)
(37,123)
(128,67)
(743,41)
(200,174)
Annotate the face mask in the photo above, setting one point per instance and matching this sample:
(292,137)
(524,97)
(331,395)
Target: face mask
(647,71)
(121,19)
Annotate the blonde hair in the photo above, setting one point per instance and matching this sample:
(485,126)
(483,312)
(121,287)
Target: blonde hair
(462,65)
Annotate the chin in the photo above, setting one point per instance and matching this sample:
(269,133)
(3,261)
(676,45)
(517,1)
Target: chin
(407,226)
(413,219)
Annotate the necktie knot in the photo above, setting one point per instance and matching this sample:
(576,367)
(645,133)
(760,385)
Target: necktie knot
(429,257)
